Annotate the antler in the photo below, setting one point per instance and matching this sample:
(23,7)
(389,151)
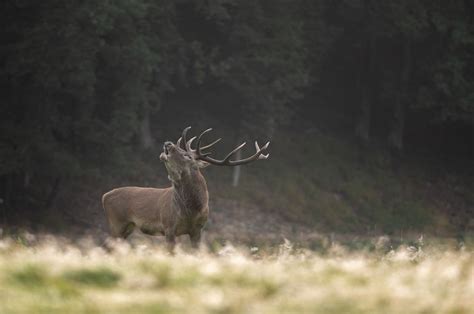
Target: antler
(226,161)
(183,137)
(199,154)
(187,144)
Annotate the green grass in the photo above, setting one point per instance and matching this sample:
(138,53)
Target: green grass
(333,184)
(101,277)
(55,277)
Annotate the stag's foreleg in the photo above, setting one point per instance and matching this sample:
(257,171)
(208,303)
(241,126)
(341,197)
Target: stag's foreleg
(170,240)
(195,237)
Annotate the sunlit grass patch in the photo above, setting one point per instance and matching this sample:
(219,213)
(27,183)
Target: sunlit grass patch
(55,277)
(39,280)
(101,277)
(30,276)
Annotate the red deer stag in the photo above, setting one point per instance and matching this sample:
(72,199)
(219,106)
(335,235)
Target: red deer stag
(179,209)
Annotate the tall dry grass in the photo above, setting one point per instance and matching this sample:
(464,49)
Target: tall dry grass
(53,276)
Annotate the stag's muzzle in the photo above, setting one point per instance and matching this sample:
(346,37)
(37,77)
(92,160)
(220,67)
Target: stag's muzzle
(166,150)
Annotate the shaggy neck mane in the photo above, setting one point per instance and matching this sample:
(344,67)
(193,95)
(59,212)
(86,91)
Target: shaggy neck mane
(191,191)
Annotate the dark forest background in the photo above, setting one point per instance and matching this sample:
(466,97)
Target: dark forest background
(369,106)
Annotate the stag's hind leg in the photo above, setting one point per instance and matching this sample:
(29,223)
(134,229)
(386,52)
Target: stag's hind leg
(122,230)
(128,230)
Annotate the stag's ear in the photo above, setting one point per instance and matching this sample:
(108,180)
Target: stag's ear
(202,164)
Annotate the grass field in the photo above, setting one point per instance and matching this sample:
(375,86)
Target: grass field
(54,277)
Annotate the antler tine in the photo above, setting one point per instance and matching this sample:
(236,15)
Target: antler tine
(235,150)
(199,148)
(258,149)
(183,136)
(178,143)
(212,144)
(198,145)
(188,144)
(227,162)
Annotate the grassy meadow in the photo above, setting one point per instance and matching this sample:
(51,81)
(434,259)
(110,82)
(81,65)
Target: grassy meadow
(50,275)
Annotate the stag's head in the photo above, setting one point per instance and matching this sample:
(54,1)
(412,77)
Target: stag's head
(179,161)
(181,158)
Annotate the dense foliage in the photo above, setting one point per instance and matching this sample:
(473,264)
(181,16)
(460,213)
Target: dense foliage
(85,85)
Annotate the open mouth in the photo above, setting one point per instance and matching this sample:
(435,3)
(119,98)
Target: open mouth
(167,147)
(166,151)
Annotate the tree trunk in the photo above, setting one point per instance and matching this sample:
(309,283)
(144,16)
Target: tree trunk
(8,190)
(365,83)
(398,122)
(26,179)
(5,201)
(52,194)
(8,202)
(146,138)
(362,129)
(267,130)
(236,172)
(271,126)
(398,125)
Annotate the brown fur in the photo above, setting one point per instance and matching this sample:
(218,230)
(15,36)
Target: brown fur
(180,209)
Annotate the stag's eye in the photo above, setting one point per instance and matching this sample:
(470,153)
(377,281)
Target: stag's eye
(187,156)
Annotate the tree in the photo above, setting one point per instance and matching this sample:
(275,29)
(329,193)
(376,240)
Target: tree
(79,82)
(447,92)
(262,59)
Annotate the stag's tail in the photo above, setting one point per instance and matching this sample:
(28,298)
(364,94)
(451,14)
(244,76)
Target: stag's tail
(105,240)
(105,198)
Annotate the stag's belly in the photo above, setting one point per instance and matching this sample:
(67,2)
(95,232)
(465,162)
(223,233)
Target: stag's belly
(185,225)
(146,209)
(150,224)
(152,229)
